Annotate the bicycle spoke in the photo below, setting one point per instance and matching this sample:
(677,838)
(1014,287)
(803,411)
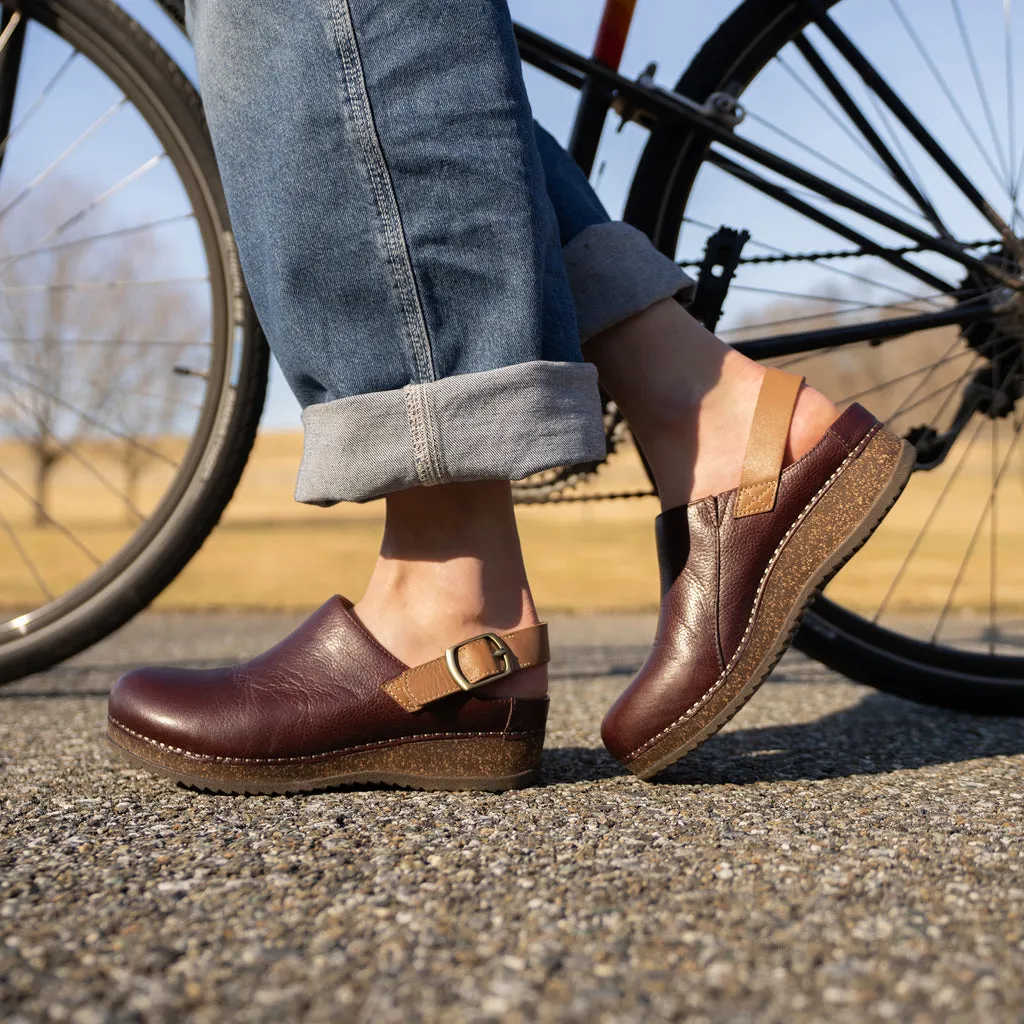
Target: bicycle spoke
(40,510)
(808,297)
(129,179)
(908,403)
(928,369)
(908,400)
(875,81)
(88,418)
(972,62)
(117,233)
(842,125)
(832,192)
(950,387)
(786,198)
(72,286)
(858,307)
(929,519)
(974,536)
(901,150)
(993,561)
(874,140)
(835,164)
(47,172)
(122,390)
(40,100)
(25,557)
(115,342)
(100,478)
(1011,104)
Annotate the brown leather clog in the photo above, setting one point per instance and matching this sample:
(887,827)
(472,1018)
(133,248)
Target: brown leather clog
(738,570)
(329,706)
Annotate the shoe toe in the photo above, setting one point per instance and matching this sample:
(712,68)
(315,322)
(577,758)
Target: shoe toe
(163,705)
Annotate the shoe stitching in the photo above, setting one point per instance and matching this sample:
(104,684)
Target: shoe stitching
(690,712)
(756,497)
(327,753)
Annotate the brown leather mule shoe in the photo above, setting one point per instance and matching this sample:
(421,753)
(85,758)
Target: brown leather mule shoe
(739,569)
(329,706)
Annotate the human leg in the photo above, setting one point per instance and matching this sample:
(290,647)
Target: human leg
(689,397)
(455,358)
(404,259)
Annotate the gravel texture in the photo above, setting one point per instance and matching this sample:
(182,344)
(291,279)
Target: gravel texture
(833,854)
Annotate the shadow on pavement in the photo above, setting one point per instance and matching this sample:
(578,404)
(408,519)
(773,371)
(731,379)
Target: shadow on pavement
(880,734)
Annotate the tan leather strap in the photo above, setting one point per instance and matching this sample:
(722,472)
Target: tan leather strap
(472,663)
(766,446)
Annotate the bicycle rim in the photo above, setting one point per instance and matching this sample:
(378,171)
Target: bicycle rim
(166,460)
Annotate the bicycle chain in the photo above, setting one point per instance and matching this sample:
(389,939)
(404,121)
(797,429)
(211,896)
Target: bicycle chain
(558,498)
(836,254)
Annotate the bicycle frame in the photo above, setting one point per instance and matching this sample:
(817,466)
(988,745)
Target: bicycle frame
(595,96)
(602,88)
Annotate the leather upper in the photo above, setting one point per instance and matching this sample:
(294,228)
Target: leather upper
(712,564)
(320,689)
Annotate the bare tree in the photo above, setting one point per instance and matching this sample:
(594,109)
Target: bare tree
(154,398)
(87,348)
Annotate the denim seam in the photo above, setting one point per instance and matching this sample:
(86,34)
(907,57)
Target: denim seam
(437,463)
(395,242)
(380,178)
(419,428)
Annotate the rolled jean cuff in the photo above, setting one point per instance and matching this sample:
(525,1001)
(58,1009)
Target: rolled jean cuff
(499,424)
(615,272)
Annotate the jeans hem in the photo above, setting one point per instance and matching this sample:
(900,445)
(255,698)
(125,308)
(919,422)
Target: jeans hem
(501,424)
(615,272)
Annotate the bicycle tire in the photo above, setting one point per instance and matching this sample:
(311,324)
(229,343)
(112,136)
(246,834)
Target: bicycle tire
(154,84)
(863,651)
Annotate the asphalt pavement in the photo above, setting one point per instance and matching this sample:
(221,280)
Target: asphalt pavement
(833,854)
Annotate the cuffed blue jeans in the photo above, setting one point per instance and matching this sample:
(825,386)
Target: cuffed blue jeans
(425,261)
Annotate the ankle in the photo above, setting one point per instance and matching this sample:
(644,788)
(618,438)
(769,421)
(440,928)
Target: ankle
(417,615)
(450,568)
(690,399)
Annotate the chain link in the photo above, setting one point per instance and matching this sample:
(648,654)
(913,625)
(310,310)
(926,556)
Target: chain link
(837,254)
(575,499)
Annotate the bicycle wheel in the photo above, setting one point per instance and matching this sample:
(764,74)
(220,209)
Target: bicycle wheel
(132,369)
(881,199)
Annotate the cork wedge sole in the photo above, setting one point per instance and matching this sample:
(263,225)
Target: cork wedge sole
(830,531)
(480,762)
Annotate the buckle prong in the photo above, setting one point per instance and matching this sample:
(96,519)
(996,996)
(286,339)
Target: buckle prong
(501,650)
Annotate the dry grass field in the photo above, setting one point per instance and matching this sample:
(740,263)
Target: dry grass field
(271,552)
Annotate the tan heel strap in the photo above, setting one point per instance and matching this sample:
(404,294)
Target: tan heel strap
(474,662)
(766,445)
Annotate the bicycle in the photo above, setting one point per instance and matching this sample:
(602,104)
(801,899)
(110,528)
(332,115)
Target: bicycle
(707,139)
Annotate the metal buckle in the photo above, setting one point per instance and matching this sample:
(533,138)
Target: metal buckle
(501,650)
